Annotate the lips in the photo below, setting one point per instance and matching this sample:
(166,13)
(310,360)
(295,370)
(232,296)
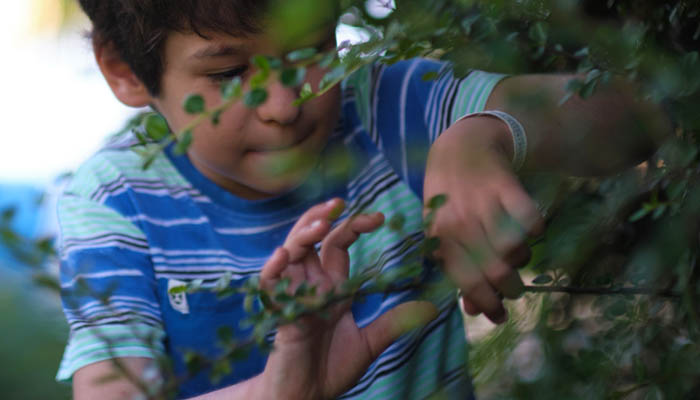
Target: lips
(281,147)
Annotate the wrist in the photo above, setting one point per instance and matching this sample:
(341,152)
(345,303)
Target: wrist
(480,133)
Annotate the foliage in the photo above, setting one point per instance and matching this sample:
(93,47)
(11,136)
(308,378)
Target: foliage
(613,311)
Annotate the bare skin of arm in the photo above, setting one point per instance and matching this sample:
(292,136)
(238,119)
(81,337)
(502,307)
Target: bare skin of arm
(489,215)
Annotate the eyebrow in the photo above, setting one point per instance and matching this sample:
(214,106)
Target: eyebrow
(218,50)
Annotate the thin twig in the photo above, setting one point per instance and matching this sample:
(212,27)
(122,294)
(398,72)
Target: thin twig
(604,291)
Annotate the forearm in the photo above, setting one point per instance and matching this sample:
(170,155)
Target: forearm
(97,381)
(599,135)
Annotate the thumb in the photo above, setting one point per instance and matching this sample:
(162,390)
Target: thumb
(399,320)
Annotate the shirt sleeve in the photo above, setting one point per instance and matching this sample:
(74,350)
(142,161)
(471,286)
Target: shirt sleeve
(406,106)
(108,288)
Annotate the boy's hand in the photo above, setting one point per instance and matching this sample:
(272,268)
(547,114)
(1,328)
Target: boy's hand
(487,217)
(319,358)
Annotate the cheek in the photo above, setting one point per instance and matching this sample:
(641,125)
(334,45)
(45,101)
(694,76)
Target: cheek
(326,108)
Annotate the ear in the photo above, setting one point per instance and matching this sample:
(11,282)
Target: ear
(120,77)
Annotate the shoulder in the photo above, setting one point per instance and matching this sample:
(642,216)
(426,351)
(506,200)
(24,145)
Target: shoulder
(118,167)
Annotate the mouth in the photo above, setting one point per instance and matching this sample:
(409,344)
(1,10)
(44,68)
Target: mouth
(294,145)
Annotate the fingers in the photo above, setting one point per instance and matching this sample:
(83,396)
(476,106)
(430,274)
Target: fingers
(274,266)
(518,204)
(334,250)
(311,228)
(480,294)
(396,322)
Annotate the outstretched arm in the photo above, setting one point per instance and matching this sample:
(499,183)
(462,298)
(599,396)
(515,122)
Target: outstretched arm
(488,214)
(603,134)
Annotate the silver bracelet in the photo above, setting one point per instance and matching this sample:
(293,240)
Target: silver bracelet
(517,131)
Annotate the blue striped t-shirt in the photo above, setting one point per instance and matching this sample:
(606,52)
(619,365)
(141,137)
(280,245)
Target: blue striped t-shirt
(127,235)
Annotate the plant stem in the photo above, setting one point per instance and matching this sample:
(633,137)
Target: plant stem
(604,291)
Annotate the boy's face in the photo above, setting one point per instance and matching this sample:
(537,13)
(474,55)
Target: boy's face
(249,151)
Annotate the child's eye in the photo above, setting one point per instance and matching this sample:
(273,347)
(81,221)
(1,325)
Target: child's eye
(228,74)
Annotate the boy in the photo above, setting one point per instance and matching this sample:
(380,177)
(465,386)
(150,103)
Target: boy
(132,235)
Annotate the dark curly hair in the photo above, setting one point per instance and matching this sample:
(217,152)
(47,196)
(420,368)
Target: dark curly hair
(138,28)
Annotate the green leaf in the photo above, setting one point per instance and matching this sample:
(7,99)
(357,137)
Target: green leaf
(255,97)
(301,54)
(8,214)
(183,143)
(588,89)
(194,104)
(262,62)
(47,281)
(259,79)
(659,211)
(583,52)
(327,59)
(274,62)
(216,117)
(542,279)
(248,303)
(538,33)
(156,127)
(306,94)
(430,76)
(397,222)
(293,77)
(431,244)
(306,90)
(232,89)
(224,334)
(641,213)
(616,309)
(333,76)
(177,289)
(437,201)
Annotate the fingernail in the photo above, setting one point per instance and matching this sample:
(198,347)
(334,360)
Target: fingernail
(315,224)
(336,211)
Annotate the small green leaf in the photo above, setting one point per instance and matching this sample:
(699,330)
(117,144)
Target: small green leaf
(216,117)
(588,89)
(255,97)
(262,62)
(156,127)
(225,334)
(306,94)
(437,201)
(431,244)
(538,33)
(8,214)
(183,143)
(274,62)
(327,59)
(659,211)
(616,309)
(331,77)
(641,213)
(542,279)
(47,281)
(583,52)
(301,54)
(259,79)
(397,222)
(177,289)
(248,303)
(194,104)
(430,76)
(306,90)
(232,89)
(292,77)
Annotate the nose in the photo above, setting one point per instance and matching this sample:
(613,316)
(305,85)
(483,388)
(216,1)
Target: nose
(279,106)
